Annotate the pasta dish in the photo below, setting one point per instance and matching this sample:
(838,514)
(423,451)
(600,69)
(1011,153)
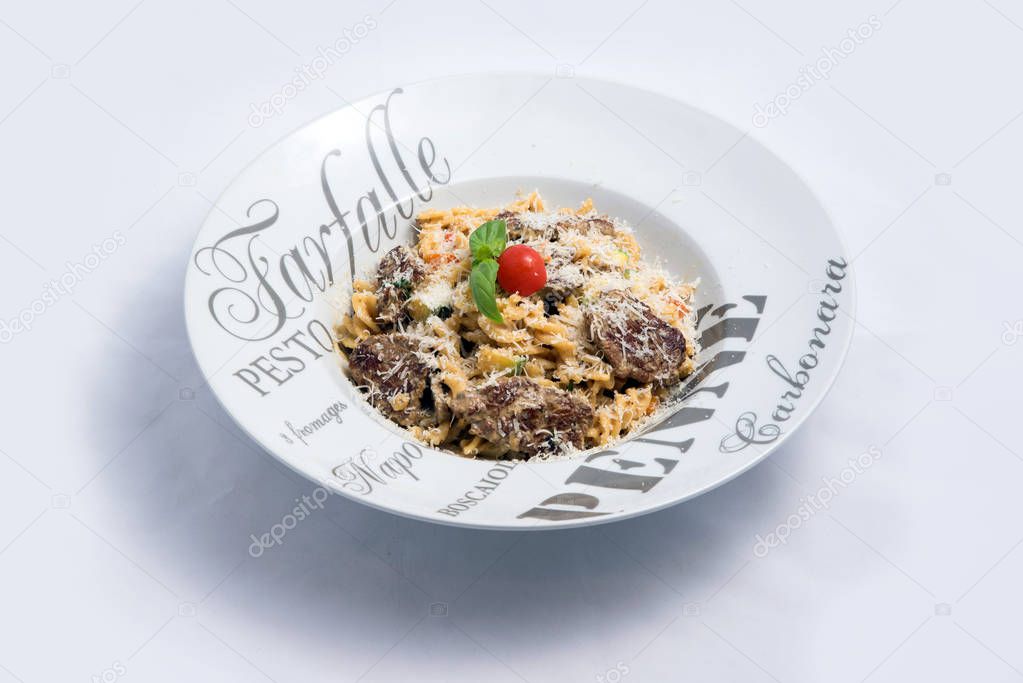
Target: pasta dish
(519,331)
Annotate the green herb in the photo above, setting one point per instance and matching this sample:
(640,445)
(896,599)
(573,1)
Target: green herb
(483,282)
(571,385)
(520,366)
(444,312)
(404,285)
(487,242)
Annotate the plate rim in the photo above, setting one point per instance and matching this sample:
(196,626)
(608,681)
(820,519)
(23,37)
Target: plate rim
(331,487)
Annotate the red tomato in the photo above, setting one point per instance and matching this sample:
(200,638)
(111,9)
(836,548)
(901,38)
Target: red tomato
(520,269)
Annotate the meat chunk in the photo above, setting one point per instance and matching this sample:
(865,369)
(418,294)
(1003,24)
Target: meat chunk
(529,418)
(398,272)
(512,224)
(391,369)
(601,225)
(563,276)
(549,228)
(400,263)
(564,280)
(585,225)
(634,341)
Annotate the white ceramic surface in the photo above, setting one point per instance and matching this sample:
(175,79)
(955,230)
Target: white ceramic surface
(776,294)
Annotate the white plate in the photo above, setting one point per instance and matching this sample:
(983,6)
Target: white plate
(777,292)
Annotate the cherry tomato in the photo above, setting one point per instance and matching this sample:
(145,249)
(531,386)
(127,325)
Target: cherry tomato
(520,269)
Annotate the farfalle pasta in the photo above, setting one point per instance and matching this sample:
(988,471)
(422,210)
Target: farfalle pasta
(579,364)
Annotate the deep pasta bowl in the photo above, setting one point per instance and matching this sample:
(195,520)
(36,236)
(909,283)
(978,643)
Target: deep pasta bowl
(287,240)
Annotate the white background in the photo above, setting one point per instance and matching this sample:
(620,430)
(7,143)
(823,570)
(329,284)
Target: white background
(128,496)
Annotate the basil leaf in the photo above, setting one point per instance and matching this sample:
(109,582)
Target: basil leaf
(488,241)
(483,282)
